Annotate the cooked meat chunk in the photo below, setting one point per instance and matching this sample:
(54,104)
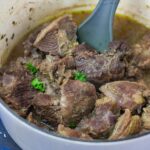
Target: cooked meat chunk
(48,66)
(58,70)
(58,38)
(146,118)
(47,107)
(78,99)
(21,97)
(8,83)
(28,43)
(141,53)
(67,132)
(16,88)
(128,95)
(83,48)
(101,120)
(126,125)
(101,68)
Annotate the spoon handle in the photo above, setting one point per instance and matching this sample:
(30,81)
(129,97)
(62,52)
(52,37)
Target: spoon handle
(98,27)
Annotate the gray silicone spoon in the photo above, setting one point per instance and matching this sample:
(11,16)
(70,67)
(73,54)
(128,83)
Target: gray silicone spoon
(97,29)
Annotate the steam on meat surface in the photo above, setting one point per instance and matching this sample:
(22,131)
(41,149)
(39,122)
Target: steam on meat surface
(128,95)
(69,104)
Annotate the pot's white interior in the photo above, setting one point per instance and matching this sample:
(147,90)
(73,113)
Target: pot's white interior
(16,16)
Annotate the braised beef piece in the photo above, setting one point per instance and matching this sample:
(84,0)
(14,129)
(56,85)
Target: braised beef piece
(47,107)
(58,38)
(141,53)
(126,125)
(46,66)
(102,119)
(102,68)
(8,82)
(128,95)
(67,132)
(17,91)
(78,99)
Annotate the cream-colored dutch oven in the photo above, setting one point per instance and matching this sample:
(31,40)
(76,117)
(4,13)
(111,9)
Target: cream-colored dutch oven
(14,19)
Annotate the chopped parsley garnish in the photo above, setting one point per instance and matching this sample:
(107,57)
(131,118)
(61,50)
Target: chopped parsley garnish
(38,85)
(80,76)
(72,125)
(32,68)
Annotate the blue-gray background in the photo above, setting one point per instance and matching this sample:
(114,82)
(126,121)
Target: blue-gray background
(6,143)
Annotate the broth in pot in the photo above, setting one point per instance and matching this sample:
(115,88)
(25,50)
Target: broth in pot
(64,86)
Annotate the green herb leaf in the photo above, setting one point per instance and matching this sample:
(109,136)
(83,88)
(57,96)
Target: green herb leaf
(38,85)
(80,76)
(72,125)
(32,68)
